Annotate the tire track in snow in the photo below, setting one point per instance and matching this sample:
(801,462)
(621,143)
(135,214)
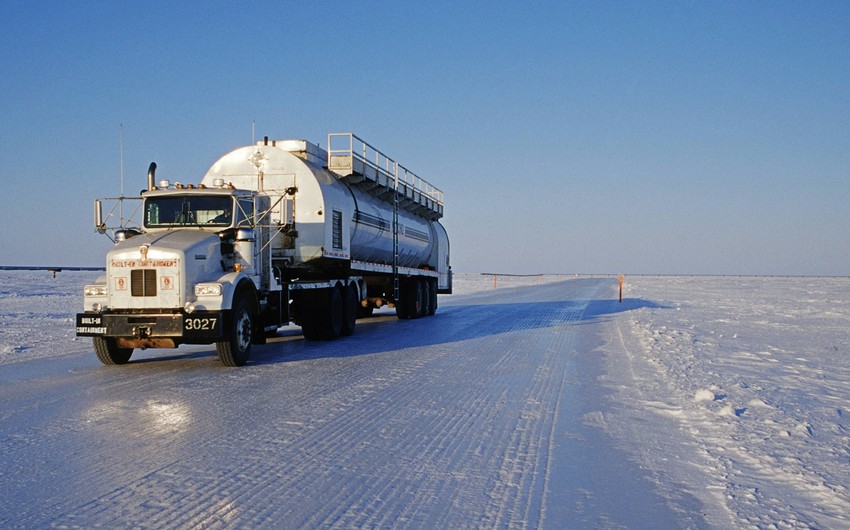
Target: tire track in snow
(518,499)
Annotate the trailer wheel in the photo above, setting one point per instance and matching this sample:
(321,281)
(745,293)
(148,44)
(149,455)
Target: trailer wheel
(426,297)
(432,296)
(350,304)
(235,350)
(410,305)
(109,353)
(402,306)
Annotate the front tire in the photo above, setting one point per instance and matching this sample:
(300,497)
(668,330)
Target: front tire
(235,350)
(109,353)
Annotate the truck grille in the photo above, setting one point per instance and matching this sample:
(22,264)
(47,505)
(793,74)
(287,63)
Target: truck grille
(143,282)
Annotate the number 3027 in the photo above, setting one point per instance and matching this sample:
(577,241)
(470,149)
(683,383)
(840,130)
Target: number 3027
(200,324)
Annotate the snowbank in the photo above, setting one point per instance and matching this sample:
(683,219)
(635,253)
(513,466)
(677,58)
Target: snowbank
(475,282)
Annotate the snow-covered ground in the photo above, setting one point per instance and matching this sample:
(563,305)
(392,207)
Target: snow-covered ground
(739,389)
(37,314)
(713,402)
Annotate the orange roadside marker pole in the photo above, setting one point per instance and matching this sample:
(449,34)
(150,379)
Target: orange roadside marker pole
(622,279)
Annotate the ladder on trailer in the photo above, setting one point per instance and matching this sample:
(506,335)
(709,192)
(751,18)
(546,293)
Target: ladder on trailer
(396,286)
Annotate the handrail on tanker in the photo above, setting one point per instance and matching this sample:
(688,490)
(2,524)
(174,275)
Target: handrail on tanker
(350,147)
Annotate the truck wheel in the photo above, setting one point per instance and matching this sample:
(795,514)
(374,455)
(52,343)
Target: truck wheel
(109,353)
(410,305)
(402,307)
(432,297)
(310,307)
(234,351)
(310,328)
(350,304)
(426,297)
(334,315)
(324,314)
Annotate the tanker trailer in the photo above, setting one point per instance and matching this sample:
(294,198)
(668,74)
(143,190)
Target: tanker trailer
(278,232)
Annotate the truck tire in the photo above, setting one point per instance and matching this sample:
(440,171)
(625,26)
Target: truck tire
(402,306)
(310,326)
(426,297)
(432,296)
(410,305)
(323,314)
(234,350)
(350,305)
(109,353)
(331,323)
(310,307)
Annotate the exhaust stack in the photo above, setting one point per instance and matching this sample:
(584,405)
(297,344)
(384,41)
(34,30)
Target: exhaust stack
(152,176)
(98,217)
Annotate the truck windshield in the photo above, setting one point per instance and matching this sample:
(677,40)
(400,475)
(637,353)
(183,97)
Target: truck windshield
(194,210)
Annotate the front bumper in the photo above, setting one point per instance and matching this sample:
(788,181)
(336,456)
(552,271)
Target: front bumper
(201,327)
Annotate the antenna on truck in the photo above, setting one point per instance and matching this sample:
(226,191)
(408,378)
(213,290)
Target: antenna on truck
(121,173)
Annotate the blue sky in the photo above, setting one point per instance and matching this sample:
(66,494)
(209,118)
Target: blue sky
(568,137)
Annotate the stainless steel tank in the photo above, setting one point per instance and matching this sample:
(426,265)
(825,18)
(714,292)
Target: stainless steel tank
(320,216)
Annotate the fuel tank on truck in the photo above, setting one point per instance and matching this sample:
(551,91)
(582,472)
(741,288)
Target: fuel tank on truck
(319,218)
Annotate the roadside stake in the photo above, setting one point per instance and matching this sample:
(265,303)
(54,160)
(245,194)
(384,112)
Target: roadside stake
(622,279)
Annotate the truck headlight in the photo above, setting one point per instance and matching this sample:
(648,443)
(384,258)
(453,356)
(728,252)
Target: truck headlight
(208,289)
(94,290)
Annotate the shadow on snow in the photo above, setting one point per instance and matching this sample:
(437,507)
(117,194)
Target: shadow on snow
(453,323)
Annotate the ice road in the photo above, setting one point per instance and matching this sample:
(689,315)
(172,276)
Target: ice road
(476,417)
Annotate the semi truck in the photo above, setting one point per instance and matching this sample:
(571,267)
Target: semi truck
(277,232)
